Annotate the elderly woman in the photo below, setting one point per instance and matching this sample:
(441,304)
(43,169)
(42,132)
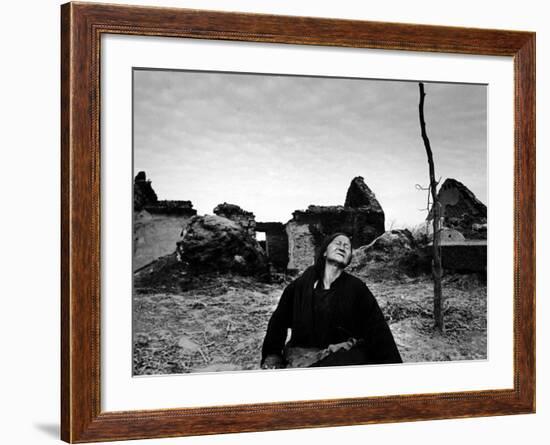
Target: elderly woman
(334,318)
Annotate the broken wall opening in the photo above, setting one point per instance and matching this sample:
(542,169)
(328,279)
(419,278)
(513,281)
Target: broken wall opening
(275,243)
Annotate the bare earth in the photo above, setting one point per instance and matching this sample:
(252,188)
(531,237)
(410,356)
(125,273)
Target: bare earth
(220,326)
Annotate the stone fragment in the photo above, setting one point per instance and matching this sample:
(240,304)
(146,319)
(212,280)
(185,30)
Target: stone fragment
(235,213)
(186,343)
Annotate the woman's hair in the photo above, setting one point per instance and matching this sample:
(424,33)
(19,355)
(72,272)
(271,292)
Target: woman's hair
(320,258)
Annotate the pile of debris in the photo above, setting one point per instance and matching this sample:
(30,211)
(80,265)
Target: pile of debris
(214,243)
(393,255)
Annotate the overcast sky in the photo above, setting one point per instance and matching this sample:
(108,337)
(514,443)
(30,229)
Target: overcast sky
(275,144)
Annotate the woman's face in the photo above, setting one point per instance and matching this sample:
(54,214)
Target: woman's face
(339,250)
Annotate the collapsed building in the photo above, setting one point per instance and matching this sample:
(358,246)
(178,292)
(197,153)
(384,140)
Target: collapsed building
(157,224)
(275,244)
(461,210)
(160,225)
(293,246)
(361,217)
(463,235)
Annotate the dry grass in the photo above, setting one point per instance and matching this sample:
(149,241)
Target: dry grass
(220,325)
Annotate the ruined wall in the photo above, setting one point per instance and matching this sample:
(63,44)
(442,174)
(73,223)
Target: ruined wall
(157,225)
(360,196)
(177,208)
(143,192)
(464,233)
(362,225)
(236,214)
(469,256)
(307,230)
(275,244)
(462,211)
(301,246)
(361,218)
(155,235)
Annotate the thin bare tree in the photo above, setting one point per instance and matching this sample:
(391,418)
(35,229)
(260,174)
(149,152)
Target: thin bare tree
(436,213)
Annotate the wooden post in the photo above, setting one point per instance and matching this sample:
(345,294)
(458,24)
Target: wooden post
(436,213)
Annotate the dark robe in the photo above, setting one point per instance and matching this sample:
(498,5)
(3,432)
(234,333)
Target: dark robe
(319,318)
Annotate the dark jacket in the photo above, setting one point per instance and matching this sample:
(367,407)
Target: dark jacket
(354,313)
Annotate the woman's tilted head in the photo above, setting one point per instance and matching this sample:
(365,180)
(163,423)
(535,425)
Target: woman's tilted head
(336,249)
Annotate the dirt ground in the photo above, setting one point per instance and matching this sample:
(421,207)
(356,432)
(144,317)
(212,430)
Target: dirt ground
(219,325)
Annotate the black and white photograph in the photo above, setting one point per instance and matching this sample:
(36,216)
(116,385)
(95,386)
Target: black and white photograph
(284,221)
(278,222)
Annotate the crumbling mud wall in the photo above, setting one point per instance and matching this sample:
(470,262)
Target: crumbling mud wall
(464,233)
(143,192)
(155,235)
(361,218)
(157,225)
(301,246)
(245,219)
(461,210)
(469,256)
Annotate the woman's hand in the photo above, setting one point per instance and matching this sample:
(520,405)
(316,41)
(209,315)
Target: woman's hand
(273,362)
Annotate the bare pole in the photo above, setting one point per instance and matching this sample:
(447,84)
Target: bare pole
(436,266)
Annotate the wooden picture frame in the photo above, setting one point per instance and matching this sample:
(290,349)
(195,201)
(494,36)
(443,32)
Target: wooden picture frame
(82,26)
